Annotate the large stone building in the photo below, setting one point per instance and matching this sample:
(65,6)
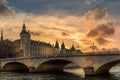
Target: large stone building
(6,48)
(25,47)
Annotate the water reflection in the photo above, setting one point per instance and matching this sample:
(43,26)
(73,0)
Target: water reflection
(55,76)
(73,75)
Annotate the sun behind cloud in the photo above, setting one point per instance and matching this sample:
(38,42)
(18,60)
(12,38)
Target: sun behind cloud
(95,25)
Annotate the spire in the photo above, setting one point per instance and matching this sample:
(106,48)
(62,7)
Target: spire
(24,26)
(24,31)
(62,45)
(73,48)
(56,44)
(1,35)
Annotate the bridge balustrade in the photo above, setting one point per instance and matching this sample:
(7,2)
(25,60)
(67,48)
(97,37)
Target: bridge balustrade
(102,53)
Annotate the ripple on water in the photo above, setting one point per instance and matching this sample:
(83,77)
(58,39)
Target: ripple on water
(74,74)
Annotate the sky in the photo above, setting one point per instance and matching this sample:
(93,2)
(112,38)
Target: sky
(78,22)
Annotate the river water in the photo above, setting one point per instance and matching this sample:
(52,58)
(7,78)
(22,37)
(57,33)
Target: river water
(70,74)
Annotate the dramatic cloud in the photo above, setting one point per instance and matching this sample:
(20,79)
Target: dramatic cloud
(52,28)
(50,6)
(86,42)
(101,40)
(65,34)
(3,1)
(101,32)
(90,1)
(5,10)
(74,21)
(39,33)
(96,14)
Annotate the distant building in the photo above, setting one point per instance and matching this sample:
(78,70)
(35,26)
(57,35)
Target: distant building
(25,47)
(6,48)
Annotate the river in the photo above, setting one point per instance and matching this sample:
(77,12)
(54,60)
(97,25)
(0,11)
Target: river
(69,74)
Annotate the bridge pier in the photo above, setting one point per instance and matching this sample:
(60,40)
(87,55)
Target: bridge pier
(32,69)
(89,71)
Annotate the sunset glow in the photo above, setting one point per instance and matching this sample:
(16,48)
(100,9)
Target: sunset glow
(86,21)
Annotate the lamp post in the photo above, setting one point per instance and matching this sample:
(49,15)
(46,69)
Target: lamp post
(93,47)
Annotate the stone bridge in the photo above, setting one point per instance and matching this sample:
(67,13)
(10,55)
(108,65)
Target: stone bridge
(92,64)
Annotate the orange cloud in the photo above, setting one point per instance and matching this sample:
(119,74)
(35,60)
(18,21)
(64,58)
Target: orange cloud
(70,29)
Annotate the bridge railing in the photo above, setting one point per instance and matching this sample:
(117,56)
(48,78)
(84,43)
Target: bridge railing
(102,53)
(74,56)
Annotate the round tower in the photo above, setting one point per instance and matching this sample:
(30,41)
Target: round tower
(25,40)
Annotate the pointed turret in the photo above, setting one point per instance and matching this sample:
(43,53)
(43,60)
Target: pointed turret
(73,48)
(62,45)
(1,35)
(24,31)
(56,44)
(24,26)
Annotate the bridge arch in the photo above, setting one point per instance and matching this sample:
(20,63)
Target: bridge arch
(15,66)
(104,69)
(53,65)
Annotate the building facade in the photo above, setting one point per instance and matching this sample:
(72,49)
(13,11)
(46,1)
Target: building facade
(26,47)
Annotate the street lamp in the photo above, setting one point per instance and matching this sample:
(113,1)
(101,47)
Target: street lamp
(93,47)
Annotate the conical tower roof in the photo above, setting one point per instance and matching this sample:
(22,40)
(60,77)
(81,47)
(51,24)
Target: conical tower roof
(56,44)
(24,30)
(73,48)
(62,45)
